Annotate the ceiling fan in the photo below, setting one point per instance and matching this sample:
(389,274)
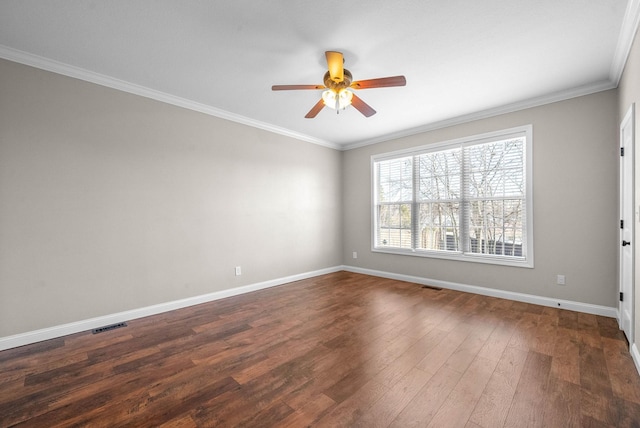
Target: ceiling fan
(337,84)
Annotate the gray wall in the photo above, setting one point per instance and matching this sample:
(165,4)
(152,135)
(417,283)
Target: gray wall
(111,202)
(629,92)
(575,199)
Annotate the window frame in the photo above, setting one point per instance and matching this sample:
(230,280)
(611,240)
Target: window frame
(527,260)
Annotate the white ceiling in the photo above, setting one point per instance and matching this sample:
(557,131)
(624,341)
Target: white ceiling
(462,59)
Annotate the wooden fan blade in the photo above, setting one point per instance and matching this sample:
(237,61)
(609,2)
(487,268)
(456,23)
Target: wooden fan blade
(335,62)
(362,107)
(315,110)
(293,87)
(383,82)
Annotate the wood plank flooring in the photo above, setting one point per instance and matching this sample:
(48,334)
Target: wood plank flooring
(339,350)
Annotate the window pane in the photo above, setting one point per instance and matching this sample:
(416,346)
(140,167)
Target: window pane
(395,182)
(496,169)
(383,216)
(439,175)
(394,226)
(438,226)
(496,227)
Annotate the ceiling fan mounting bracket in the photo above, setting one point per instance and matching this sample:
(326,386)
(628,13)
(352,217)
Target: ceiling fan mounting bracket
(337,86)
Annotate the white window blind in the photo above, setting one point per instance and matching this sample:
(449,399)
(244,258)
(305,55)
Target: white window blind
(467,199)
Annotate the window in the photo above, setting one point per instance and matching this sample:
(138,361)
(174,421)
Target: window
(468,199)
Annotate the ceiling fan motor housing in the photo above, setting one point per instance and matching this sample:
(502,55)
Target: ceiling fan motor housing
(345,83)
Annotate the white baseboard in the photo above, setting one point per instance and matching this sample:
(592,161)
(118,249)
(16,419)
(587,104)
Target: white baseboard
(88,324)
(27,338)
(509,295)
(635,355)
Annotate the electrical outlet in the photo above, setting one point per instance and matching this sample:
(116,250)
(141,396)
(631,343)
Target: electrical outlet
(238,270)
(355,254)
(560,280)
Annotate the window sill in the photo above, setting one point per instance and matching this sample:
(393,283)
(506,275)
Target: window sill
(462,257)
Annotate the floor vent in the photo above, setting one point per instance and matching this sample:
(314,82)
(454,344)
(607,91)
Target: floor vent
(108,327)
(431,287)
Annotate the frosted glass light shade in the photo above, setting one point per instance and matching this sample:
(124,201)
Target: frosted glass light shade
(337,100)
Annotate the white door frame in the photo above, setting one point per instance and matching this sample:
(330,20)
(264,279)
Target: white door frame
(626,254)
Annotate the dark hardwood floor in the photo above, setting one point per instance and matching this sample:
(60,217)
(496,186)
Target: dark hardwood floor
(340,350)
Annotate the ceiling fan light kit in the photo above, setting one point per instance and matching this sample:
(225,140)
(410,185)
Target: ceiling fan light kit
(338,82)
(338,100)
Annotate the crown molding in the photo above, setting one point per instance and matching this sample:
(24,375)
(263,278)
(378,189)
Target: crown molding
(121,85)
(484,114)
(625,40)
